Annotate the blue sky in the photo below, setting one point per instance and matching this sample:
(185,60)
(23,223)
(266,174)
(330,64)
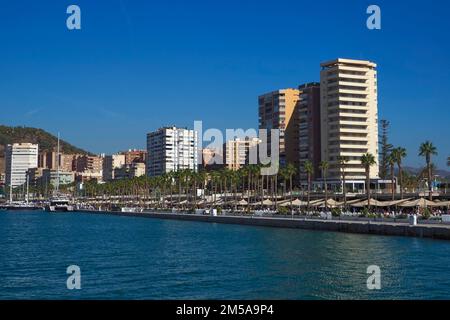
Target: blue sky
(138,65)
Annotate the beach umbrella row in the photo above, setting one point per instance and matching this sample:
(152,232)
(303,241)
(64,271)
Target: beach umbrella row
(330,203)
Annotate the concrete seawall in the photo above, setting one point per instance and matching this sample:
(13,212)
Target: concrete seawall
(441,232)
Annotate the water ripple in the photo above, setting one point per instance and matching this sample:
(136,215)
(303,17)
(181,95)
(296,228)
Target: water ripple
(135,258)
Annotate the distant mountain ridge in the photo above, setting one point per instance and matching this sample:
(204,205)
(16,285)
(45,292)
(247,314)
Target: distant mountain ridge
(46,141)
(415,171)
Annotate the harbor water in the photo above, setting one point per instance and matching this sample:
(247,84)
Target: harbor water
(136,258)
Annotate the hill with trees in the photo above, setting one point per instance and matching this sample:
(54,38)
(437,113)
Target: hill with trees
(46,141)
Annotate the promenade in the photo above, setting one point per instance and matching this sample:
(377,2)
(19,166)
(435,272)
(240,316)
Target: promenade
(433,231)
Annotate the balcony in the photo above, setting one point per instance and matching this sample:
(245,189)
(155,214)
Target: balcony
(353,115)
(361,121)
(353,76)
(348,130)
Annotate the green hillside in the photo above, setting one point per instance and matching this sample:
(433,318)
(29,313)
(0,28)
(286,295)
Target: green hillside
(46,141)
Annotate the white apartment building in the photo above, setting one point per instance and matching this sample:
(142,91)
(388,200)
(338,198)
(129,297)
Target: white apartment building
(171,149)
(349,116)
(19,158)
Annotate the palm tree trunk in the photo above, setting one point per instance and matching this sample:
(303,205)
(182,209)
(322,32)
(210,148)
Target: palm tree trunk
(195,194)
(215,193)
(344,190)
(368,188)
(248,192)
(276,192)
(430,187)
(171,194)
(392,183)
(290,190)
(309,189)
(262,190)
(400,175)
(235,195)
(226,192)
(326,191)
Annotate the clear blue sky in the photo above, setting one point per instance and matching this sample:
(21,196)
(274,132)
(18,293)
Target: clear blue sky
(139,65)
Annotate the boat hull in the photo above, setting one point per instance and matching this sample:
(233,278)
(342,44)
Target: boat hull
(59,209)
(20,208)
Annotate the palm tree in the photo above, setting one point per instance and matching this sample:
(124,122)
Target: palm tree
(291,171)
(342,163)
(195,177)
(398,154)
(323,166)
(215,178)
(368,160)
(285,175)
(254,172)
(188,183)
(178,177)
(224,177)
(170,176)
(262,176)
(276,191)
(234,181)
(202,177)
(411,182)
(309,169)
(246,175)
(427,149)
(391,162)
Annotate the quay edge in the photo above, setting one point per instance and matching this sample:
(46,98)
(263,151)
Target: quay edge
(440,232)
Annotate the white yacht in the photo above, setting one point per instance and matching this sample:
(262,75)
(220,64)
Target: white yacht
(59,204)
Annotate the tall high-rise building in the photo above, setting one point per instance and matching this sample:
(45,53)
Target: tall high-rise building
(171,149)
(349,116)
(307,116)
(237,152)
(20,157)
(276,111)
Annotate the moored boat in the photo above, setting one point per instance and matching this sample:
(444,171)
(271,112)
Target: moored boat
(130,209)
(20,206)
(59,204)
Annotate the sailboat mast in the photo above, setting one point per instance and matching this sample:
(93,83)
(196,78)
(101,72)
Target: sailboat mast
(11,178)
(57,167)
(28,188)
